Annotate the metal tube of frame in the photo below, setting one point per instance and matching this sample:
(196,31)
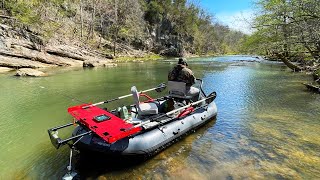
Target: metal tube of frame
(60,127)
(74,137)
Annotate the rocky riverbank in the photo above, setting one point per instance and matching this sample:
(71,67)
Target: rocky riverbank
(23,49)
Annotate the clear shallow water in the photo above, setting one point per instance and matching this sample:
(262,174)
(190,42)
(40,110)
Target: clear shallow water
(268,124)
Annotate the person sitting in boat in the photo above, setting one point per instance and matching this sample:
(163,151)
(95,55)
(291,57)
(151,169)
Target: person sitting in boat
(181,73)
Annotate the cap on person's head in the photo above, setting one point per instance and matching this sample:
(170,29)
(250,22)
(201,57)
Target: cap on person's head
(183,61)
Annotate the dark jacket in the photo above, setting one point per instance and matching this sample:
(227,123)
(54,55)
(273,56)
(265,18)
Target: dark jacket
(182,74)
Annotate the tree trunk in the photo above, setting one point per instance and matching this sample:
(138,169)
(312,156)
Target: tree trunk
(81,19)
(91,28)
(101,26)
(287,62)
(116,29)
(285,35)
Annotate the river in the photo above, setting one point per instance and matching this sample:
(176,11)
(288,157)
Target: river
(267,127)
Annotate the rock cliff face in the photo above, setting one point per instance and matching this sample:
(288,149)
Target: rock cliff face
(21,48)
(164,43)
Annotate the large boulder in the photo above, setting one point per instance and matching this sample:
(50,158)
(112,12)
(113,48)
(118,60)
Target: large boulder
(29,72)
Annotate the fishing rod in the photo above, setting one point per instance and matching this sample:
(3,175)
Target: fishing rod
(212,96)
(159,88)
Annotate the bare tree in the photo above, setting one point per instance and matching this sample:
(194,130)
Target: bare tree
(116,26)
(81,19)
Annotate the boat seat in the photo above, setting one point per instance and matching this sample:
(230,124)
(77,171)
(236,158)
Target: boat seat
(143,108)
(178,90)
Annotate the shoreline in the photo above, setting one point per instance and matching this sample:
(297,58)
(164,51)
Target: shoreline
(112,63)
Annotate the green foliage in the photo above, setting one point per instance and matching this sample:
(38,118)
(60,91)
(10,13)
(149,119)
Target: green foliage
(317,72)
(154,12)
(23,10)
(288,27)
(49,29)
(257,43)
(123,33)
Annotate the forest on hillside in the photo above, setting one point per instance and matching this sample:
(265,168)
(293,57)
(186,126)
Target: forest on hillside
(165,27)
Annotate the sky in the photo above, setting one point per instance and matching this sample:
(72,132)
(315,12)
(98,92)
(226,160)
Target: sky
(237,14)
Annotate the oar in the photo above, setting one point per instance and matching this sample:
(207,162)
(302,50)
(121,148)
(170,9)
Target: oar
(177,110)
(159,88)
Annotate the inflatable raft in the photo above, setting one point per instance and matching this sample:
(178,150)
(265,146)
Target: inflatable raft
(140,129)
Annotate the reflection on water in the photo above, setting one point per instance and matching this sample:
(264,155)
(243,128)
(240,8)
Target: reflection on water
(267,124)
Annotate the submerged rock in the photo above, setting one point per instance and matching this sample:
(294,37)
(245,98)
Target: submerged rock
(5,69)
(29,72)
(110,65)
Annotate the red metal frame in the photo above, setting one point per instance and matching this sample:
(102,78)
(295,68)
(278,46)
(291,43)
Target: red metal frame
(150,99)
(110,130)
